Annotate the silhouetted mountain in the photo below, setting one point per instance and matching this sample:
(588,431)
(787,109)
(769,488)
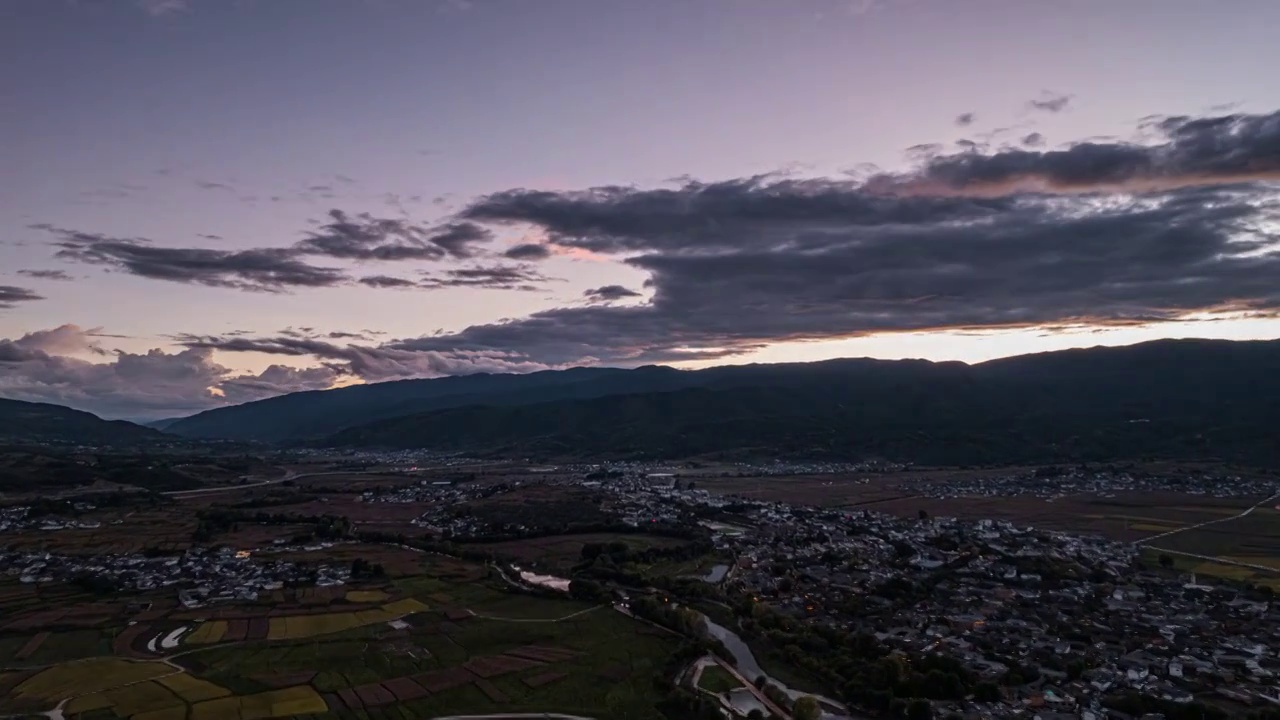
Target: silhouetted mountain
(319,413)
(45,423)
(1162,399)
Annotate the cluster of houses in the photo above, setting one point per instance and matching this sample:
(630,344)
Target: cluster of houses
(20,518)
(1080,617)
(201,575)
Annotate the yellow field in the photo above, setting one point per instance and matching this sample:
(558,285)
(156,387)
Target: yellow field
(295,627)
(87,676)
(1229,572)
(407,606)
(366,596)
(143,697)
(86,703)
(209,632)
(177,712)
(193,689)
(299,700)
(1263,560)
(227,708)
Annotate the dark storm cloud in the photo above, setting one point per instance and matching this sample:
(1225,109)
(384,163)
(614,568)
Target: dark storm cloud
(496,277)
(265,269)
(459,239)
(528,251)
(360,238)
(369,363)
(965,119)
(755,211)
(1191,151)
(386,281)
(10,295)
(738,264)
(365,237)
(46,274)
(609,293)
(1050,102)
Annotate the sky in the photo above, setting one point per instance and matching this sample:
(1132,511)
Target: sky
(205,202)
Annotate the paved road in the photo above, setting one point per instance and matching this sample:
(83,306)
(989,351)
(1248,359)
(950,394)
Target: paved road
(291,475)
(1170,533)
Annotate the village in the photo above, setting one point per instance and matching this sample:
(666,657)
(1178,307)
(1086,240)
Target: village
(199,575)
(1046,622)
(1078,618)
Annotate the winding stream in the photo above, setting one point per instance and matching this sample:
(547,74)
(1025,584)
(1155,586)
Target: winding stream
(750,668)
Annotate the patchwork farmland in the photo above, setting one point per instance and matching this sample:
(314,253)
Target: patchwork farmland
(421,646)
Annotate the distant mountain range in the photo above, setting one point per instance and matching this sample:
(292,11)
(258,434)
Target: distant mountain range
(1184,398)
(46,423)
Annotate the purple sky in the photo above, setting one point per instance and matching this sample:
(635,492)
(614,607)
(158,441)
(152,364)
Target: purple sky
(170,168)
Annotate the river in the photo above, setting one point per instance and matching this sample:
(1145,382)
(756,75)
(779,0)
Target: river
(715,574)
(743,658)
(750,668)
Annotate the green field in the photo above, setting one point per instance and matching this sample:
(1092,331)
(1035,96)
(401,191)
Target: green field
(715,679)
(604,662)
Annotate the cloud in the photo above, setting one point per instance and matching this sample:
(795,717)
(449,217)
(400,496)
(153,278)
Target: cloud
(965,119)
(1050,102)
(528,251)
(370,363)
(10,295)
(609,293)
(264,269)
(495,277)
(43,366)
(458,240)
(210,185)
(1187,152)
(149,385)
(161,8)
(386,281)
(365,237)
(46,274)
(1099,233)
(355,238)
(62,340)
(1034,139)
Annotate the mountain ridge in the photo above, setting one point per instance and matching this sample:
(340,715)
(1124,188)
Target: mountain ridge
(1202,399)
(22,421)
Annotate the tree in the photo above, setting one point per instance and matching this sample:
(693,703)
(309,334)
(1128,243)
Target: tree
(920,709)
(986,692)
(924,514)
(1166,561)
(583,589)
(807,708)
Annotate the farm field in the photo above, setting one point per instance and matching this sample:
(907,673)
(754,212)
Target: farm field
(716,679)
(468,645)
(1125,517)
